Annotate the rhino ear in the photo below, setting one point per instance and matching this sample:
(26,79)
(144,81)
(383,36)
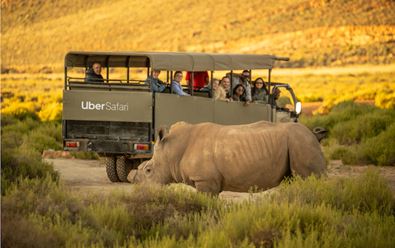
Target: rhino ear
(161,134)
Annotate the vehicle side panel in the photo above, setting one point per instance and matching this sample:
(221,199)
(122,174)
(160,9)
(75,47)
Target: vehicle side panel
(170,108)
(232,113)
(90,105)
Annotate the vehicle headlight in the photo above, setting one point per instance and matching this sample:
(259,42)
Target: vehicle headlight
(298,107)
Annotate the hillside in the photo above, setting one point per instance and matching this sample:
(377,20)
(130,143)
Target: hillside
(38,33)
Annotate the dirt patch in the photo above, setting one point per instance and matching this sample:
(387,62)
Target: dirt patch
(337,169)
(90,176)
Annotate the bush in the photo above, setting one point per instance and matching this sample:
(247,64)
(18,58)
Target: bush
(381,149)
(385,98)
(22,142)
(55,214)
(51,112)
(361,133)
(312,212)
(41,139)
(21,110)
(23,162)
(340,113)
(362,127)
(368,192)
(304,213)
(345,154)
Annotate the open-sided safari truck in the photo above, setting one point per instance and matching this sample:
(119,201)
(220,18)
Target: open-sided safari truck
(119,118)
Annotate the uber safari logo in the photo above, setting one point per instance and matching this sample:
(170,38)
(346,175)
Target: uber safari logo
(88,105)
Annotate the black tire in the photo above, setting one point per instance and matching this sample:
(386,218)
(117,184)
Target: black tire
(123,168)
(111,169)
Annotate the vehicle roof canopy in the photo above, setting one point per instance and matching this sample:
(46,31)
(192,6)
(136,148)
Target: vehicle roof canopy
(173,61)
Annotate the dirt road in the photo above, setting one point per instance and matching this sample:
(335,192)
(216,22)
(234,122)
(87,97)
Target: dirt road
(90,176)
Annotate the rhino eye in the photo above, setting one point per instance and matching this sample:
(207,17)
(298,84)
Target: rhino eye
(148,170)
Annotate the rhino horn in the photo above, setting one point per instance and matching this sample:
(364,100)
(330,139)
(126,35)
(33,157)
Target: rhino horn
(132,176)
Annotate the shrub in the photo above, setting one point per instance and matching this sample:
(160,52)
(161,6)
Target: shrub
(51,112)
(364,132)
(344,153)
(385,98)
(340,113)
(101,219)
(23,162)
(368,192)
(40,140)
(21,110)
(313,213)
(362,127)
(381,149)
(22,144)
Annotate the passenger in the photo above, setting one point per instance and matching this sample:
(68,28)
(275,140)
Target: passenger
(274,97)
(225,84)
(218,91)
(259,92)
(200,79)
(93,74)
(243,79)
(239,93)
(156,85)
(176,84)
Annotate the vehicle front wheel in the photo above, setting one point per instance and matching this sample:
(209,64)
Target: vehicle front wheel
(111,169)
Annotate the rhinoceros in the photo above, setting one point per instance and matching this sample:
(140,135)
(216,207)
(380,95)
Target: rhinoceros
(214,158)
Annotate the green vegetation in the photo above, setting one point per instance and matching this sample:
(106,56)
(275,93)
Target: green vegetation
(38,211)
(302,213)
(23,140)
(311,32)
(358,133)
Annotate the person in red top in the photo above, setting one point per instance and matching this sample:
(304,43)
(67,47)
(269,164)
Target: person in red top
(200,79)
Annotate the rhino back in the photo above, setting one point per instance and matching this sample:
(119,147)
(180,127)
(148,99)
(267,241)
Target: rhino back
(236,157)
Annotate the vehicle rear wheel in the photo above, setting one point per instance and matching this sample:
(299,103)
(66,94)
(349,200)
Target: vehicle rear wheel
(123,168)
(111,169)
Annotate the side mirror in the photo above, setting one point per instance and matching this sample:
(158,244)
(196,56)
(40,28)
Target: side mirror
(298,108)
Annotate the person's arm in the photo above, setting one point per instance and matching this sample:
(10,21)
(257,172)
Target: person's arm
(176,87)
(248,93)
(207,78)
(161,86)
(148,81)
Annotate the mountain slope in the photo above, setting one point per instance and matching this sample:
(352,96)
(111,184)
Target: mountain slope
(312,32)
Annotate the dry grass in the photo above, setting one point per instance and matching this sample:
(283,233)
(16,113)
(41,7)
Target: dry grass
(37,34)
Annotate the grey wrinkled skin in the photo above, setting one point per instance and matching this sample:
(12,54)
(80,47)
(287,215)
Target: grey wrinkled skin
(214,158)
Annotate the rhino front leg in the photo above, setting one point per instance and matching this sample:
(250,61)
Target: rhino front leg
(208,186)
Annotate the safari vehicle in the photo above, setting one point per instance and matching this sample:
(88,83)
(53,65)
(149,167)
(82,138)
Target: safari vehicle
(120,118)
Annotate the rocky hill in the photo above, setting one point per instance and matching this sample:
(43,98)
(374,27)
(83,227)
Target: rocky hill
(37,34)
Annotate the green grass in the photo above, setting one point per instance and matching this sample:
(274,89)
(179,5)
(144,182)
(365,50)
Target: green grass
(39,211)
(23,139)
(302,213)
